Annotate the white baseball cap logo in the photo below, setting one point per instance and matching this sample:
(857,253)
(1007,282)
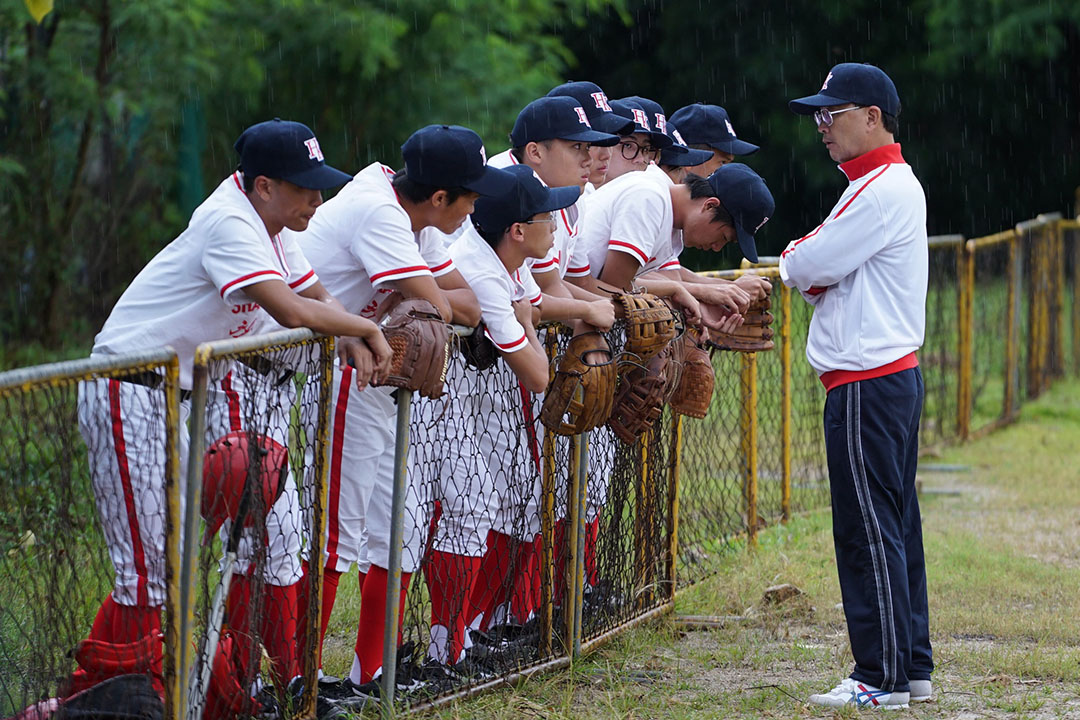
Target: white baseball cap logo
(827,79)
(582,117)
(483,155)
(314,152)
(678,138)
(763,221)
(640,118)
(661,123)
(601,101)
(729,128)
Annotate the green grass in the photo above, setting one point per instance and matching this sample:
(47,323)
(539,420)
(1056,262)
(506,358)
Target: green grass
(1003,570)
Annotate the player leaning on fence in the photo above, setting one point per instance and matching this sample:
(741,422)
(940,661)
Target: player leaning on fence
(236,261)
(378,240)
(864,269)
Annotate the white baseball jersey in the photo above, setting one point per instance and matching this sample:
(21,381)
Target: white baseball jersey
(865,270)
(632,214)
(362,239)
(192,291)
(563,255)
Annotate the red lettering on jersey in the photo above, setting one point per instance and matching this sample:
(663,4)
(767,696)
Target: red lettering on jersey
(242,329)
(641,118)
(314,151)
(245,308)
(582,117)
(601,101)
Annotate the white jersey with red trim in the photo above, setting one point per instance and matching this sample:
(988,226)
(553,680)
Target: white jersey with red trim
(362,239)
(865,267)
(192,291)
(564,255)
(632,214)
(496,290)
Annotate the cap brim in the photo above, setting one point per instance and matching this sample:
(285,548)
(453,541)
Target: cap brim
(680,156)
(735,147)
(322,177)
(600,139)
(807,105)
(560,197)
(612,123)
(746,244)
(660,141)
(492,181)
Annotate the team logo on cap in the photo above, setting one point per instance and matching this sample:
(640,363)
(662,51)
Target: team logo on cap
(640,118)
(582,116)
(763,221)
(661,123)
(827,79)
(601,101)
(314,152)
(483,155)
(729,128)
(678,138)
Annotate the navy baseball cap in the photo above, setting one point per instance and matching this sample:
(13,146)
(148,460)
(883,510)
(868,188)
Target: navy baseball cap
(745,196)
(656,117)
(857,83)
(679,155)
(286,150)
(450,156)
(523,196)
(595,102)
(702,124)
(560,118)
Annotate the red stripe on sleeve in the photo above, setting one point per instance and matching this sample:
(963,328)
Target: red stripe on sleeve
(398,271)
(439,268)
(228,285)
(635,250)
(302,280)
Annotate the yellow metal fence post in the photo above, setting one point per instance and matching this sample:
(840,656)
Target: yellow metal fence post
(1012,359)
(673,503)
(785,402)
(966,268)
(174,681)
(749,443)
(547,516)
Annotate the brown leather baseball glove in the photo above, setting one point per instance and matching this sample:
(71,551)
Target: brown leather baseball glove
(416,333)
(694,393)
(754,335)
(650,326)
(568,411)
(639,400)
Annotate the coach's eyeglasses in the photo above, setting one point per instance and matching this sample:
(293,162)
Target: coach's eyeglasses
(631,150)
(824,116)
(551,219)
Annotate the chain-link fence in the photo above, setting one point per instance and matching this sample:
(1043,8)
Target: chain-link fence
(513,548)
(88,486)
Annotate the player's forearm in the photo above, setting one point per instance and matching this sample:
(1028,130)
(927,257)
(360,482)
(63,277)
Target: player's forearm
(465,309)
(562,309)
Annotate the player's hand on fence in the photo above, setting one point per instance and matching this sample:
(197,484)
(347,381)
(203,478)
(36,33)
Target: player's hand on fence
(384,356)
(600,314)
(689,305)
(523,311)
(756,286)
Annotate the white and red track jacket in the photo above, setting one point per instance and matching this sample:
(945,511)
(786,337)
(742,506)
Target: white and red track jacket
(865,271)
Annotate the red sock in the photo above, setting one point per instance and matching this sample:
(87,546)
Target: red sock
(560,562)
(450,581)
(278,629)
(238,609)
(117,624)
(372,625)
(525,598)
(592,532)
(489,591)
(329,594)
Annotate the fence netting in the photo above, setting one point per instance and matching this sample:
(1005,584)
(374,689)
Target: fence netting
(84,502)
(260,508)
(939,355)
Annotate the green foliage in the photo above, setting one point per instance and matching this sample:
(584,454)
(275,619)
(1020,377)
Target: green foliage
(116,112)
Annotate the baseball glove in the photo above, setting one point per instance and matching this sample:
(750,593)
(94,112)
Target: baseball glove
(754,335)
(650,326)
(694,392)
(420,340)
(564,411)
(478,350)
(639,399)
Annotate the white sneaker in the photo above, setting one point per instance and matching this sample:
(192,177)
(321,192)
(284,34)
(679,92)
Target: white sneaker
(921,690)
(859,694)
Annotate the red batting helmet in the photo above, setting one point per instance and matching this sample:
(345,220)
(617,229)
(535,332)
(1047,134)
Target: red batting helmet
(225,471)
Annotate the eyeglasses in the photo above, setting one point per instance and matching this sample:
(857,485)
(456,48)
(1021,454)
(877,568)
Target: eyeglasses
(825,116)
(631,150)
(551,219)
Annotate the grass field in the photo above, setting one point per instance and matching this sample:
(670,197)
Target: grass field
(1003,549)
